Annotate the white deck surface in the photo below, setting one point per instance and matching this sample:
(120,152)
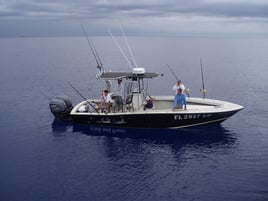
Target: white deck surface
(194,106)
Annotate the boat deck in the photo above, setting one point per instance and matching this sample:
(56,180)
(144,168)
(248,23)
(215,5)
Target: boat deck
(164,105)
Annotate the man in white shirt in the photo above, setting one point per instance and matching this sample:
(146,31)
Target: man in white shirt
(107,100)
(179,85)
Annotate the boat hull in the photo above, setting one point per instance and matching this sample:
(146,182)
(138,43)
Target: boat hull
(153,120)
(199,112)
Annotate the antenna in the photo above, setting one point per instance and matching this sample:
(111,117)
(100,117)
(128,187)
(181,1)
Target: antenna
(129,48)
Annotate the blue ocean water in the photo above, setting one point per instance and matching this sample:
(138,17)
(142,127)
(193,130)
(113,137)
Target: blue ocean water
(41,159)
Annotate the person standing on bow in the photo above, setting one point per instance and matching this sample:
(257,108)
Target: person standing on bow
(118,95)
(179,100)
(178,85)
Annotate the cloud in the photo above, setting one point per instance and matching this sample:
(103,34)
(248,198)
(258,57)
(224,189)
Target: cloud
(59,9)
(194,15)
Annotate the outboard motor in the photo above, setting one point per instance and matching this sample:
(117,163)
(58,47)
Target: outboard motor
(61,107)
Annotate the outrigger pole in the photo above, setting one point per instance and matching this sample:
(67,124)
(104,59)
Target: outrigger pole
(129,48)
(94,51)
(203,90)
(80,94)
(97,59)
(122,52)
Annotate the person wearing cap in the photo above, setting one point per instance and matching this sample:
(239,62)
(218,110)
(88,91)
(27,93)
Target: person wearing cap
(178,85)
(179,100)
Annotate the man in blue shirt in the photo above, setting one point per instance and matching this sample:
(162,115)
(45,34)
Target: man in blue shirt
(179,100)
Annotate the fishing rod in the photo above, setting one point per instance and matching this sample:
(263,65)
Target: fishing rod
(203,90)
(93,49)
(80,94)
(101,65)
(187,90)
(172,72)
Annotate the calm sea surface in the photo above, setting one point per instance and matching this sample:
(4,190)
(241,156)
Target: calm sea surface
(45,160)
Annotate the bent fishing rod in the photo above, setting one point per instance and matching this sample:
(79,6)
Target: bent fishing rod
(187,91)
(173,72)
(80,94)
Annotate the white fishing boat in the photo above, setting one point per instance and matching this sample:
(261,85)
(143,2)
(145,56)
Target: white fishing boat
(135,112)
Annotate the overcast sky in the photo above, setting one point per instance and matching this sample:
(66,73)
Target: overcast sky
(137,17)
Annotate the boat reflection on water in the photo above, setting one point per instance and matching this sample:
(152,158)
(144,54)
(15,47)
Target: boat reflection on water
(61,127)
(198,135)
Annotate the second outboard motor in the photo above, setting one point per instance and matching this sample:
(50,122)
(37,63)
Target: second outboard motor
(61,107)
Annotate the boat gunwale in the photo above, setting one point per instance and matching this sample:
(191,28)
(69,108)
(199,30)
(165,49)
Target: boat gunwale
(211,105)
